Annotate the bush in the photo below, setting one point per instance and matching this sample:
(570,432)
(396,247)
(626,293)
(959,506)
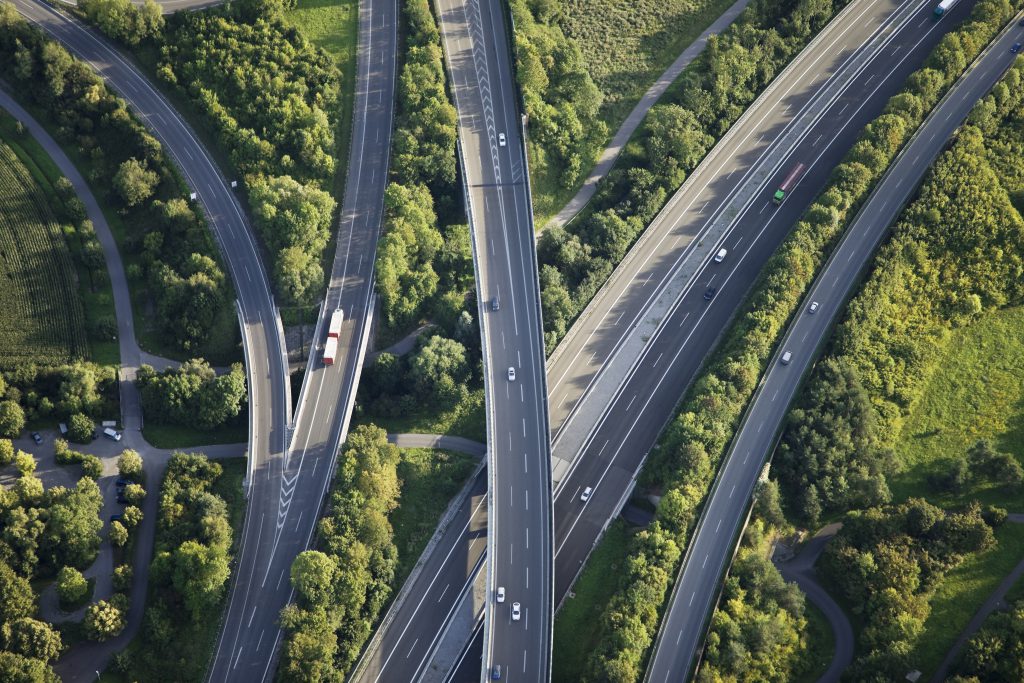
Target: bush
(6,452)
(12,419)
(192,395)
(64,455)
(123,578)
(103,621)
(118,534)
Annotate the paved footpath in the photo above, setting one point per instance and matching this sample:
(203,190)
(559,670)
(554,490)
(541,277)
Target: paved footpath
(632,122)
(800,569)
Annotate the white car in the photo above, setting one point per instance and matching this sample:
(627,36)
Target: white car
(501,594)
(515,611)
(786,357)
(585,496)
(511,374)
(720,256)
(501,139)
(813,308)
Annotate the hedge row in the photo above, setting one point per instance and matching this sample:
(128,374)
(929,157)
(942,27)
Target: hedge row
(684,462)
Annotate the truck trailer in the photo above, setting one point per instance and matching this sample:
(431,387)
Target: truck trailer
(330,350)
(334,327)
(788,184)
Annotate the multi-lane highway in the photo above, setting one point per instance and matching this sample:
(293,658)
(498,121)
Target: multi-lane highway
(518,631)
(683,628)
(614,439)
(285,504)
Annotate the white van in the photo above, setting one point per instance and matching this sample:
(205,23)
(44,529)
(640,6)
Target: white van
(112,434)
(720,256)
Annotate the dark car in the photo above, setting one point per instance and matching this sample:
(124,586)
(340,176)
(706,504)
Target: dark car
(1016,48)
(116,517)
(496,672)
(710,294)
(121,483)
(121,500)
(37,437)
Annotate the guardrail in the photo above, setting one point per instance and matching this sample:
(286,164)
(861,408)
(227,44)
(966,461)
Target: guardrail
(247,484)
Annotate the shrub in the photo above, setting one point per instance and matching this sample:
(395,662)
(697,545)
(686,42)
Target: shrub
(72,586)
(92,466)
(129,465)
(80,428)
(103,621)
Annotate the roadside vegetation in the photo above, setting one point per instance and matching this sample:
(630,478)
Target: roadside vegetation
(201,509)
(682,465)
(996,652)
(710,95)
(181,293)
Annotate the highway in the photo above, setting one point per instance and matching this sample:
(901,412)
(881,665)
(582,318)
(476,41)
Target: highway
(284,508)
(711,548)
(505,260)
(614,439)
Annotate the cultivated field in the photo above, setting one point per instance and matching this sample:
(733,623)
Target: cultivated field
(41,317)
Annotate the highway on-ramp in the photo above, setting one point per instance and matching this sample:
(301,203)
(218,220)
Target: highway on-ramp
(714,540)
(285,508)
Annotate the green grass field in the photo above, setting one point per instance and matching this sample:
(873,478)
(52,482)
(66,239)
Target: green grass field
(976,391)
(42,319)
(430,479)
(178,436)
(332,25)
(627,44)
(578,623)
(962,592)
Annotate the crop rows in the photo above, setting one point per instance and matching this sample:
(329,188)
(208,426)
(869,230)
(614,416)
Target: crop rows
(41,316)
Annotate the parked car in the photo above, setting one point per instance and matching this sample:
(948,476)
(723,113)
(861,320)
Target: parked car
(121,483)
(116,517)
(37,437)
(112,434)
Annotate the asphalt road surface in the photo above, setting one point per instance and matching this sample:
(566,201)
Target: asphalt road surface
(711,548)
(285,503)
(519,504)
(638,411)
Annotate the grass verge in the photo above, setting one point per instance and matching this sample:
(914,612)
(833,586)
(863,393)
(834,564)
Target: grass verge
(962,592)
(177,436)
(976,392)
(430,479)
(578,623)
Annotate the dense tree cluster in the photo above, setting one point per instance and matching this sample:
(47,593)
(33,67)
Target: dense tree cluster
(996,652)
(122,20)
(676,134)
(273,99)
(43,534)
(32,393)
(190,566)
(683,464)
(424,257)
(560,97)
(887,560)
(192,394)
(957,250)
(341,587)
(98,124)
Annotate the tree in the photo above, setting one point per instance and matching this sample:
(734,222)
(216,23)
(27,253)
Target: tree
(72,530)
(312,576)
(439,371)
(79,389)
(199,574)
(92,466)
(134,494)
(118,534)
(72,586)
(16,597)
(33,638)
(129,464)
(24,463)
(134,182)
(6,452)
(80,428)
(123,578)
(103,621)
(221,398)
(12,419)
